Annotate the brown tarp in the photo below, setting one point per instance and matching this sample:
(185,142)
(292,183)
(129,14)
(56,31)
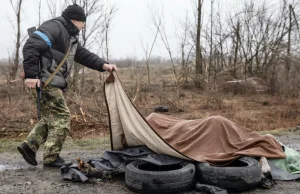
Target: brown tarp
(215,140)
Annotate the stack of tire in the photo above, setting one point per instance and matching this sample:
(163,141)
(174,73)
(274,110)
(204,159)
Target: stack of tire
(142,177)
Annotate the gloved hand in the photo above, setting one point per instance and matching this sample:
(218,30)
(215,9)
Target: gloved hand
(31,83)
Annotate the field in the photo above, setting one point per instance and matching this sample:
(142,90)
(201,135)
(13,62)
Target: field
(257,110)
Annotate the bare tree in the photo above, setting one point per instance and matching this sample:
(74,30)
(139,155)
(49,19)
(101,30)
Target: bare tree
(52,7)
(108,19)
(17,10)
(236,42)
(296,18)
(186,48)
(95,25)
(148,53)
(288,53)
(211,39)
(199,67)
(39,7)
(158,22)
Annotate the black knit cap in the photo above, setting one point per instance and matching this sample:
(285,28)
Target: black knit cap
(74,12)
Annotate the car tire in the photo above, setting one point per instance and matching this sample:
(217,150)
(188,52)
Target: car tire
(161,109)
(242,174)
(143,177)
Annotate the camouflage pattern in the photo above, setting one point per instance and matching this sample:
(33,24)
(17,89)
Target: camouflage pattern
(54,125)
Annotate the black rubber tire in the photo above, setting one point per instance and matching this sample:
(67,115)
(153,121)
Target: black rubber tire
(161,109)
(243,174)
(143,177)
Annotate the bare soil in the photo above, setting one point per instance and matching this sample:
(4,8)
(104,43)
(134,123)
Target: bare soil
(16,176)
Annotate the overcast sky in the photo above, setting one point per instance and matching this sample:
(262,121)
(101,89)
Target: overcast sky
(131,27)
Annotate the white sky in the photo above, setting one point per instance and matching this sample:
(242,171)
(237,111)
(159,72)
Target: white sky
(131,26)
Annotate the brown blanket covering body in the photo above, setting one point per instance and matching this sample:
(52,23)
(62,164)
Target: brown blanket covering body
(215,140)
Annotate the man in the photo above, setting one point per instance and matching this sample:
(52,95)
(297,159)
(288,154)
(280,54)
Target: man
(48,46)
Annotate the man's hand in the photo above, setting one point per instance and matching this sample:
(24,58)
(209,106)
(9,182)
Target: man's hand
(110,67)
(31,83)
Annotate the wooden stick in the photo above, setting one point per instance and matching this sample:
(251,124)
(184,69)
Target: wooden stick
(83,114)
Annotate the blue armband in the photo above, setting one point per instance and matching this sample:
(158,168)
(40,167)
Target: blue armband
(44,37)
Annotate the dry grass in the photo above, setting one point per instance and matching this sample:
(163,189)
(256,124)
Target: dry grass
(256,111)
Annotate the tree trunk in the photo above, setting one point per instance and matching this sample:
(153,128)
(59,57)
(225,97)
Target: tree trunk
(288,61)
(15,67)
(237,34)
(198,44)
(211,41)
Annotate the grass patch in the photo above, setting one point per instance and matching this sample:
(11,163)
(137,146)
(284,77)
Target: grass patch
(281,131)
(9,145)
(88,144)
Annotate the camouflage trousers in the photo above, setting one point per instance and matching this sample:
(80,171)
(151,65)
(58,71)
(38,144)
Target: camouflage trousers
(54,125)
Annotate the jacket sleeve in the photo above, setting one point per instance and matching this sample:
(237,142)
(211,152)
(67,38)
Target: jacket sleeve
(89,59)
(35,46)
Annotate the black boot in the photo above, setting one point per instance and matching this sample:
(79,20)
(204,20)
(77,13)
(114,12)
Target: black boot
(58,162)
(27,153)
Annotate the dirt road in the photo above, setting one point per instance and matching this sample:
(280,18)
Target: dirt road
(16,176)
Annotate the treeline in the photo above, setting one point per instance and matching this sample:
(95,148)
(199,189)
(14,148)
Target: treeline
(259,38)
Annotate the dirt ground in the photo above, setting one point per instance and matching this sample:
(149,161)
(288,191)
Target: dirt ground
(16,176)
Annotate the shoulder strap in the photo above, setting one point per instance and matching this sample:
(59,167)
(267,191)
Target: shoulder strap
(57,68)
(47,40)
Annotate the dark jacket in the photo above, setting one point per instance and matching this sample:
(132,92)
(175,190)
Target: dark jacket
(61,33)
